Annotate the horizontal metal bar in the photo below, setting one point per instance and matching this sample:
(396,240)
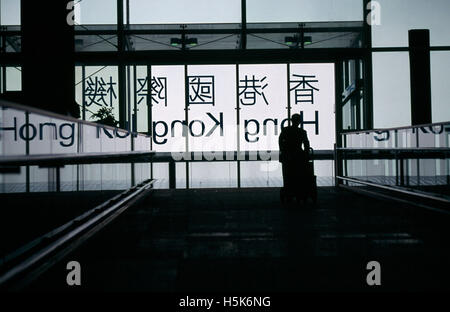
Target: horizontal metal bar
(74,233)
(394,149)
(380,195)
(227,56)
(67,159)
(396,189)
(55,160)
(368,131)
(9,169)
(219,31)
(207,57)
(406,49)
(394,153)
(10,33)
(225,156)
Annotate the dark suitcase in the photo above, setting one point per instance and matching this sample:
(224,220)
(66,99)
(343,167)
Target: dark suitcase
(309,186)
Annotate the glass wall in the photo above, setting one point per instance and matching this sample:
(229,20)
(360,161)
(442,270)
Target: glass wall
(210,108)
(204,109)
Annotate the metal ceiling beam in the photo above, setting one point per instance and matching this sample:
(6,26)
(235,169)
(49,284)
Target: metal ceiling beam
(217,31)
(243,37)
(218,56)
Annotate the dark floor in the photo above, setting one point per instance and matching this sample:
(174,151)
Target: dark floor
(245,240)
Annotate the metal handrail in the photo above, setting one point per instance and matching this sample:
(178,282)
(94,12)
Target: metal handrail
(394,153)
(347,132)
(434,203)
(51,160)
(397,189)
(74,158)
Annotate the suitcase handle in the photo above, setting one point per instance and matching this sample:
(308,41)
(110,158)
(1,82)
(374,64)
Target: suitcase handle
(310,153)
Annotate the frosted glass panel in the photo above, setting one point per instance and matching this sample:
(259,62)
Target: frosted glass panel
(217,174)
(440,86)
(13,78)
(178,11)
(10,12)
(259,11)
(93,12)
(391,90)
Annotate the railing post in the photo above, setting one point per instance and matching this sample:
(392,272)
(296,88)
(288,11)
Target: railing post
(337,166)
(172,175)
(402,171)
(133,167)
(58,179)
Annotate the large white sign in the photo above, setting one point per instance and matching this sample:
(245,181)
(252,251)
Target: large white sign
(260,98)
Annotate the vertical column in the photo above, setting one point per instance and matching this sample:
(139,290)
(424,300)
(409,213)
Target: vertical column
(3,79)
(172,174)
(419,57)
(122,97)
(135,100)
(83,98)
(122,69)
(27,152)
(243,42)
(238,127)
(149,112)
(42,21)
(367,67)
(186,116)
(289,92)
(357,94)
(338,70)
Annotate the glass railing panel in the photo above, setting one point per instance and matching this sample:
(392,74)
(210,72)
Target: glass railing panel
(26,131)
(406,138)
(416,158)
(213,175)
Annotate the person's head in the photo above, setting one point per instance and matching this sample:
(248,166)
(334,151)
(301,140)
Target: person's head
(296,120)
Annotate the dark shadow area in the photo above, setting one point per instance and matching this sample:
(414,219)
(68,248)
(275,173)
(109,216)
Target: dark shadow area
(24,217)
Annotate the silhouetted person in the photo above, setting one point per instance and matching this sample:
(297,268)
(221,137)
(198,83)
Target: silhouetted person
(293,158)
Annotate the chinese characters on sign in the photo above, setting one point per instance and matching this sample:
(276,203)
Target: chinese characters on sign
(251,88)
(201,90)
(303,88)
(158,90)
(99,92)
